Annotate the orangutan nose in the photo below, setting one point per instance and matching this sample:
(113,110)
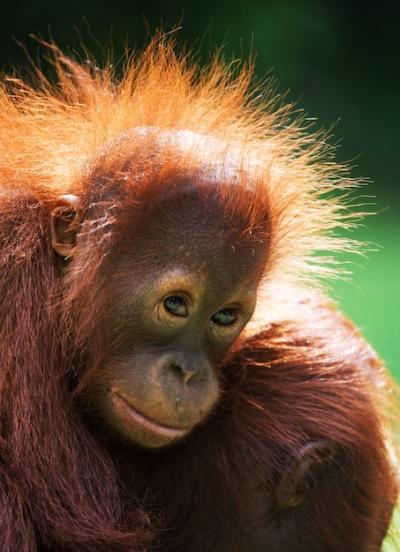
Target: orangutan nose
(190,368)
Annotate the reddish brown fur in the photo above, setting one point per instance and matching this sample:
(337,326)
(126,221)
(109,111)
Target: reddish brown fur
(292,380)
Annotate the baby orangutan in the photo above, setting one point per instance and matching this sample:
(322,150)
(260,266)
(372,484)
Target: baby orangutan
(172,376)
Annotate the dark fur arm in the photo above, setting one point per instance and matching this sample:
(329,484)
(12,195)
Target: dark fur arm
(313,395)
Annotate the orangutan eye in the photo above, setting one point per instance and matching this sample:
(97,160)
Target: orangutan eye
(224,317)
(176,306)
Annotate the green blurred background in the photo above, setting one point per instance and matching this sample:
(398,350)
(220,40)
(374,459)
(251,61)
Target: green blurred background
(338,60)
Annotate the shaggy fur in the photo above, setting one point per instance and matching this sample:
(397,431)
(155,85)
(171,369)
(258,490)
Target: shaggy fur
(301,372)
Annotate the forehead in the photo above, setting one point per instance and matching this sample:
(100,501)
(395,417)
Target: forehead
(195,230)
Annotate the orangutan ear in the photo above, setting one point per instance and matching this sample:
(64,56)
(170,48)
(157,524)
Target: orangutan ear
(65,222)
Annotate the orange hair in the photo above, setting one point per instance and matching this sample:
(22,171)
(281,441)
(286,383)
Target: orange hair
(51,135)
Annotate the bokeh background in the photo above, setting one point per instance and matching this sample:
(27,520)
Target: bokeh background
(338,60)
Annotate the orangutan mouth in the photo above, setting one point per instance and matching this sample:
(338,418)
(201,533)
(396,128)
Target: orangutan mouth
(135,418)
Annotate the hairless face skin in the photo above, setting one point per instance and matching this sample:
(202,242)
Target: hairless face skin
(179,300)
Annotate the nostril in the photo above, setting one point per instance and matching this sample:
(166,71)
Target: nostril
(177,368)
(185,374)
